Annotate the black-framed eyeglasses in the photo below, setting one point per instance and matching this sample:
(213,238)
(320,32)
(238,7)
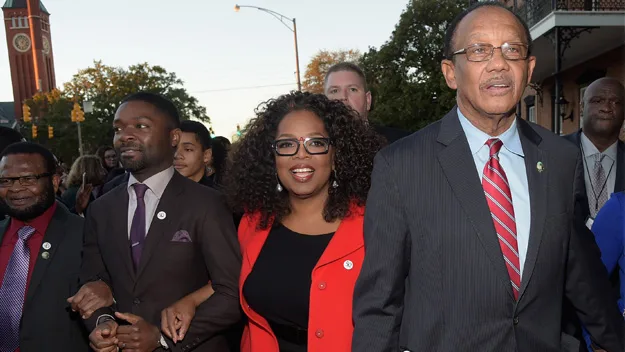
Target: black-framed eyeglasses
(484,52)
(290,146)
(25,181)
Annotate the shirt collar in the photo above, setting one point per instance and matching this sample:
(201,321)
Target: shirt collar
(591,150)
(40,223)
(477,138)
(157,183)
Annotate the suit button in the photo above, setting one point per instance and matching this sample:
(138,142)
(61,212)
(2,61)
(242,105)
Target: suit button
(319,333)
(322,286)
(516,321)
(136,301)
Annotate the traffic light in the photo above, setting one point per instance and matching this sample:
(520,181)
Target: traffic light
(50,132)
(26,113)
(238,130)
(212,133)
(34,131)
(77,114)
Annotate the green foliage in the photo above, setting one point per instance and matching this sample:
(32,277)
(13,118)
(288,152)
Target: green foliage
(404,75)
(106,87)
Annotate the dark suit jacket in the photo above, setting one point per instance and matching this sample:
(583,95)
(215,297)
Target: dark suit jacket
(48,323)
(619,184)
(168,270)
(434,277)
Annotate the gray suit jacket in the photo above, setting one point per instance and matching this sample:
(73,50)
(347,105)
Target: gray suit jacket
(434,277)
(48,323)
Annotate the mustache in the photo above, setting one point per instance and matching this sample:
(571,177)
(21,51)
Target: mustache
(125,146)
(497,80)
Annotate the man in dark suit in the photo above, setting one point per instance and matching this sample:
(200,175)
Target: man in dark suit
(157,238)
(40,247)
(602,151)
(604,164)
(346,82)
(468,228)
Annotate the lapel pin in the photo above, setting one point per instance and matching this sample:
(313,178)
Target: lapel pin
(540,167)
(348,265)
(45,255)
(161,215)
(47,245)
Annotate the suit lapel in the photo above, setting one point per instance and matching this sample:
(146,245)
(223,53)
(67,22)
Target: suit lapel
(160,228)
(347,239)
(619,185)
(54,235)
(458,165)
(119,216)
(537,185)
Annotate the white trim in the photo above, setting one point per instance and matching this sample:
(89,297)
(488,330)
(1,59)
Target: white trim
(577,19)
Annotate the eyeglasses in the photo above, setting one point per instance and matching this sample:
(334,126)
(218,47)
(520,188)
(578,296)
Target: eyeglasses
(26,181)
(484,52)
(290,146)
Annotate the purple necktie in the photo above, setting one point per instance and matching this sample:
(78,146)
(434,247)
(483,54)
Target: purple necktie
(137,230)
(13,290)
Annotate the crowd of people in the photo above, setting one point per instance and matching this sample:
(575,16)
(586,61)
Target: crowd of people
(322,231)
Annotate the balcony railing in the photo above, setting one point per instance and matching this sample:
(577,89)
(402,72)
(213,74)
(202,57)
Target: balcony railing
(532,11)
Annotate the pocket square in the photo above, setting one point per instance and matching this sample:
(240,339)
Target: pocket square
(181,236)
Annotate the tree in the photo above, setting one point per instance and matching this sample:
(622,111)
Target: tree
(106,87)
(319,65)
(404,75)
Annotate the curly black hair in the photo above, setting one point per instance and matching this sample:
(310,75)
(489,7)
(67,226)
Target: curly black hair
(252,180)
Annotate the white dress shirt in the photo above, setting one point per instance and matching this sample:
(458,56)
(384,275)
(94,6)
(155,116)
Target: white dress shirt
(157,184)
(609,165)
(512,160)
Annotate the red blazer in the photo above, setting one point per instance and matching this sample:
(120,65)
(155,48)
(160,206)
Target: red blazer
(333,278)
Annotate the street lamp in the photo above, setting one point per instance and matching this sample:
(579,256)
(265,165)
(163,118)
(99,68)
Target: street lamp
(282,19)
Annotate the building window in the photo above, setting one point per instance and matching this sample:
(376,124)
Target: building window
(531,114)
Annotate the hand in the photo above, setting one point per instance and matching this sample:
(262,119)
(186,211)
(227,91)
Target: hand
(91,297)
(175,320)
(82,198)
(141,336)
(103,337)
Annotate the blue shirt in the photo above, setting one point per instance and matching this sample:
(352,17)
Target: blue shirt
(609,230)
(512,160)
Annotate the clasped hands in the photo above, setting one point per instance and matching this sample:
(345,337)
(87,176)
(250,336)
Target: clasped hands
(139,335)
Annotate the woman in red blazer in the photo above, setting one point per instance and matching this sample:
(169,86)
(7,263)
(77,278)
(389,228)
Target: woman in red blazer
(301,173)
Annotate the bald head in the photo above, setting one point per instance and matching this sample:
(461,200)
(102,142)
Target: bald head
(603,108)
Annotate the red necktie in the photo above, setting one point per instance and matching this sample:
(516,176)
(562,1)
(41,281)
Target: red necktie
(499,199)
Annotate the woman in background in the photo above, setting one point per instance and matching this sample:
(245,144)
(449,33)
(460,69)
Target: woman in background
(83,190)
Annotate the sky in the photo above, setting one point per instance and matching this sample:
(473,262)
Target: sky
(230,61)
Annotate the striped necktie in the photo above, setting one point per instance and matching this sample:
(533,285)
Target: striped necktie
(499,199)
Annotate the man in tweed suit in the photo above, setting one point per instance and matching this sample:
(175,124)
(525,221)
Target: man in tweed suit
(469,236)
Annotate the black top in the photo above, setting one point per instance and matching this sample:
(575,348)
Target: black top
(278,288)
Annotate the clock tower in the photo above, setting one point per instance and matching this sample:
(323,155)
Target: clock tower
(27,24)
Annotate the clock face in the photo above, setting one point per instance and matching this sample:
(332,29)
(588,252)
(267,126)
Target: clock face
(21,42)
(46,46)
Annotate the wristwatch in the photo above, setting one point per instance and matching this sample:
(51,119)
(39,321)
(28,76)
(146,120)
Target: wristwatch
(163,343)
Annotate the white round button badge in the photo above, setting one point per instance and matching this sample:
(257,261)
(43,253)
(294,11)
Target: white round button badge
(348,265)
